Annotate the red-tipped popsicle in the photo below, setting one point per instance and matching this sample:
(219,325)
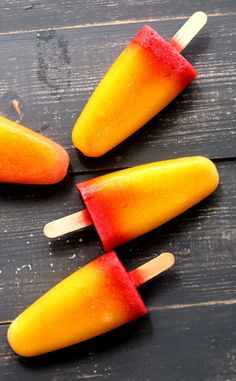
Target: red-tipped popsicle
(128,203)
(95,299)
(145,78)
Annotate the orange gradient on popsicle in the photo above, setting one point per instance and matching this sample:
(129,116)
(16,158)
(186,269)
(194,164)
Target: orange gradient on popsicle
(93,300)
(147,76)
(128,203)
(27,157)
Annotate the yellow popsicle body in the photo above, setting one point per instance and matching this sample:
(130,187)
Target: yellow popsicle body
(93,300)
(128,203)
(146,77)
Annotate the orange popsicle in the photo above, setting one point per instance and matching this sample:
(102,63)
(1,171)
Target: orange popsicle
(145,78)
(27,157)
(95,299)
(128,203)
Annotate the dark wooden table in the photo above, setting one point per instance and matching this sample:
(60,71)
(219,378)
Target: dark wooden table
(53,54)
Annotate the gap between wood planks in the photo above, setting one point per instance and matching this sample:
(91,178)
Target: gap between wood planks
(210,303)
(109,23)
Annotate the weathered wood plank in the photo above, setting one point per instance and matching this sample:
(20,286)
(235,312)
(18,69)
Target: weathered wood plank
(190,332)
(183,344)
(53,73)
(203,240)
(32,14)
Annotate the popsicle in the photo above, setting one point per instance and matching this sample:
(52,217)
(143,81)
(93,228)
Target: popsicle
(27,157)
(95,299)
(145,78)
(128,203)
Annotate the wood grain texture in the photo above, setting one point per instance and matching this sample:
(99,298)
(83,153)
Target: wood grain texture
(53,54)
(203,240)
(53,73)
(34,14)
(186,344)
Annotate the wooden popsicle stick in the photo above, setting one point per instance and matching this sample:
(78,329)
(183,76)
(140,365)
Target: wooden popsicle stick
(152,268)
(68,224)
(188,31)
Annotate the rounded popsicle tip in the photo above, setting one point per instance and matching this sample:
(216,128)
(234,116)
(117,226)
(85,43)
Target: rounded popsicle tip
(60,162)
(210,174)
(85,142)
(26,157)
(16,340)
(21,339)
